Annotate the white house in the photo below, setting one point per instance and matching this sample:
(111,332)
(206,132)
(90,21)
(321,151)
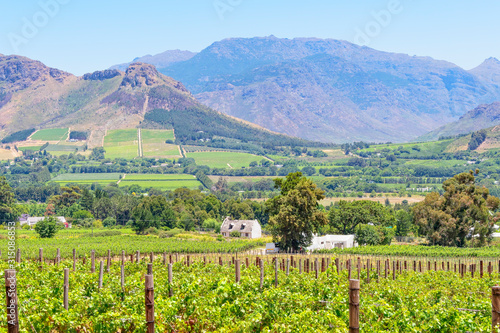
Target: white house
(32,220)
(328,242)
(246,228)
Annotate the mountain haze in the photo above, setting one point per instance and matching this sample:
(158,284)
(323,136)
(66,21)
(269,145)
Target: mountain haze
(331,90)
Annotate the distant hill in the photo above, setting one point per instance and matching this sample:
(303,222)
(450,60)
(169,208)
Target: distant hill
(33,95)
(332,90)
(484,116)
(160,60)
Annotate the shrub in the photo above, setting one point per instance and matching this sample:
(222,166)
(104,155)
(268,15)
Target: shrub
(151,231)
(170,233)
(109,222)
(46,228)
(235,234)
(220,238)
(97,224)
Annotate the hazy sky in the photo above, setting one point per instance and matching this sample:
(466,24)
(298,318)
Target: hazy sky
(81,36)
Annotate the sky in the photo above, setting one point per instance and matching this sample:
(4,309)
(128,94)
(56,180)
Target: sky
(81,36)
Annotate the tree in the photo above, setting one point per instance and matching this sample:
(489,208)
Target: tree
(345,216)
(7,201)
(47,228)
(295,212)
(153,211)
(462,211)
(403,222)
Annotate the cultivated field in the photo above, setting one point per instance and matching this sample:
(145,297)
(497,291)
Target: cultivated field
(87,178)
(224,159)
(121,144)
(153,143)
(163,182)
(50,134)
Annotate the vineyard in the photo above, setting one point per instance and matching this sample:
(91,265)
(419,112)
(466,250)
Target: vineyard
(231,293)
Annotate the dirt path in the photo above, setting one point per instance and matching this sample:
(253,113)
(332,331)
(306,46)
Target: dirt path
(124,175)
(139,141)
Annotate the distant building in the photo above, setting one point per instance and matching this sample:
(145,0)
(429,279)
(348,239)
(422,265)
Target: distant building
(32,220)
(328,242)
(246,228)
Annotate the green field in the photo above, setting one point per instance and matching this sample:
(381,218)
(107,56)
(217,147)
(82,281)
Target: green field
(224,159)
(153,143)
(34,148)
(76,177)
(51,134)
(162,184)
(167,177)
(121,144)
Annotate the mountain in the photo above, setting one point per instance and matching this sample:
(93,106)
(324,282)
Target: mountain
(33,95)
(160,60)
(484,116)
(331,90)
(488,71)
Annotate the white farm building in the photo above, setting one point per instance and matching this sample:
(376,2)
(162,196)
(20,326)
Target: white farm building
(328,242)
(246,228)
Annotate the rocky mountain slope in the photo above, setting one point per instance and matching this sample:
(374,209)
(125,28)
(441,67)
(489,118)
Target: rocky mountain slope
(160,60)
(33,95)
(332,90)
(484,116)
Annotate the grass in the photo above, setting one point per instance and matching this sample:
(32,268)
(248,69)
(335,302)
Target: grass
(224,159)
(167,177)
(51,134)
(34,148)
(163,185)
(121,144)
(6,154)
(87,177)
(153,143)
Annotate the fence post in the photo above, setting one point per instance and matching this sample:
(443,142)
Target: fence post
(495,308)
(149,302)
(150,269)
(275,271)
(300,266)
(170,290)
(354,306)
(66,288)
(92,261)
(11,292)
(40,258)
(74,260)
(58,256)
(122,280)
(108,261)
(316,267)
(237,270)
(287,266)
(261,264)
(101,269)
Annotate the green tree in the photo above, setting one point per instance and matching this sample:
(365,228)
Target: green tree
(295,212)
(7,201)
(47,228)
(464,209)
(345,216)
(404,221)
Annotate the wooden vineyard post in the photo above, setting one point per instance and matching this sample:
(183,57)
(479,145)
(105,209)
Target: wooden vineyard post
(122,280)
(220,261)
(188,261)
(74,260)
(123,258)
(368,270)
(287,266)
(316,268)
(149,302)
(101,269)
(323,263)
(275,272)
(261,264)
(359,267)
(150,269)
(137,257)
(354,306)
(495,308)
(385,269)
(481,269)
(11,292)
(151,257)
(18,256)
(40,258)
(394,270)
(237,270)
(247,262)
(108,261)
(58,256)
(300,266)
(164,258)
(92,261)
(170,290)
(66,288)
(349,269)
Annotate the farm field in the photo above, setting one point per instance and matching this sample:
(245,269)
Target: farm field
(224,159)
(392,200)
(50,134)
(138,176)
(87,178)
(153,143)
(121,144)
(169,185)
(6,154)
(237,179)
(206,297)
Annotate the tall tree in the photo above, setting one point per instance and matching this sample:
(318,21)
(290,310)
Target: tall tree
(464,209)
(295,212)
(7,201)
